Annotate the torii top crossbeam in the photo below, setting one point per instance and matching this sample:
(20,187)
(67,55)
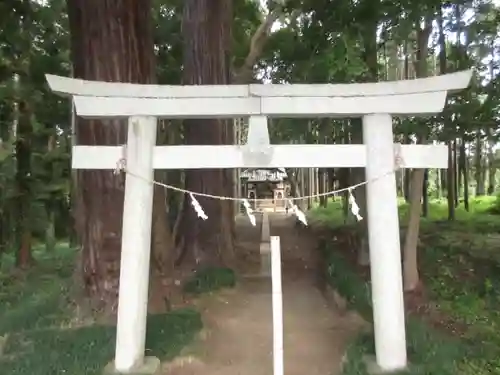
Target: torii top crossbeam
(399,98)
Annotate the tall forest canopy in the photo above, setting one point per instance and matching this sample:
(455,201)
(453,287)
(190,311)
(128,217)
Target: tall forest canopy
(42,201)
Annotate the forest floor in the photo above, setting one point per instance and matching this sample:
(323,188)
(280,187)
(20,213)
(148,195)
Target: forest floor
(453,319)
(237,334)
(41,333)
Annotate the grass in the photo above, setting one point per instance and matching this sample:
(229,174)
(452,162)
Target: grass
(36,336)
(429,352)
(479,214)
(460,268)
(210,279)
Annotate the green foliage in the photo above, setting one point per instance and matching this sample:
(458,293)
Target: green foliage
(345,280)
(461,270)
(495,207)
(332,215)
(460,267)
(37,336)
(429,352)
(33,179)
(86,350)
(210,279)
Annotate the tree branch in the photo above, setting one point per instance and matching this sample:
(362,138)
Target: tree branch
(244,73)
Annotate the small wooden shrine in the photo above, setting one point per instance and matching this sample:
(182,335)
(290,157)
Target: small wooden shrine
(270,184)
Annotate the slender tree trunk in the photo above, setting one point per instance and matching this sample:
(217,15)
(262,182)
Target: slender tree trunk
(406,184)
(411,276)
(459,170)
(400,178)
(406,172)
(444,183)
(111,40)
(24,182)
(457,178)
(206,28)
(23,147)
(438,183)
(464,170)
(425,194)
(321,186)
(450,182)
(491,168)
(50,207)
(303,188)
(478,157)
(73,235)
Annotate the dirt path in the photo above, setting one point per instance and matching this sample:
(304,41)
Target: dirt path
(237,339)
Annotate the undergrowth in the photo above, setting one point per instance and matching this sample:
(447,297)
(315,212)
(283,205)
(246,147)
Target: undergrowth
(37,336)
(459,263)
(210,279)
(428,352)
(481,216)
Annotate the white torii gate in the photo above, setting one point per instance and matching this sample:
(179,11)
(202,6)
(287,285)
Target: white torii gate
(376,103)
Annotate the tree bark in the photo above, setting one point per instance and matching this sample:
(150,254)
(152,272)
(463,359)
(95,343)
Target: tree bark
(112,41)
(479,167)
(425,194)
(23,119)
(370,56)
(491,168)
(457,177)
(206,27)
(462,168)
(245,73)
(24,257)
(450,182)
(411,278)
(437,181)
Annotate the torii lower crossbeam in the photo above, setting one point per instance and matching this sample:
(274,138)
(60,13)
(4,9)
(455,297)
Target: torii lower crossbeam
(285,156)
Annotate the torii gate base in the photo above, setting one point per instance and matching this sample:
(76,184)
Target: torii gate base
(376,103)
(149,366)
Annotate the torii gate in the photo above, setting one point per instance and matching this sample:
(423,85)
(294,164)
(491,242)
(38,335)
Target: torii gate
(376,103)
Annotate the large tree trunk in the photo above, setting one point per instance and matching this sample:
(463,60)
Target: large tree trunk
(372,8)
(206,29)
(111,40)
